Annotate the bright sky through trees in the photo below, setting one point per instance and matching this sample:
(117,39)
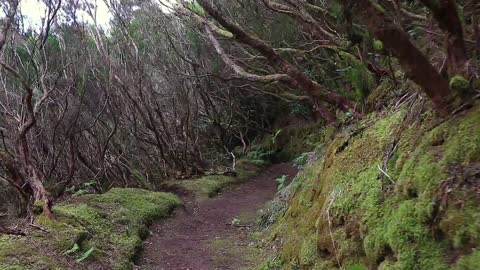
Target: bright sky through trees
(34,10)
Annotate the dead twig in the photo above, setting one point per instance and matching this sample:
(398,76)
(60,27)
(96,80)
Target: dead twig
(333,196)
(385,173)
(39,228)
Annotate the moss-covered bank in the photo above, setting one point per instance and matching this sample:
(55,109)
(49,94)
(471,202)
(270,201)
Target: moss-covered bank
(91,232)
(396,191)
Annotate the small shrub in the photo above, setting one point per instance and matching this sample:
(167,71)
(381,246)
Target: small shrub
(301,160)
(281,183)
(261,156)
(378,45)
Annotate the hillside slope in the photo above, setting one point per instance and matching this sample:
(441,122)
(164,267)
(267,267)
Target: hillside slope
(399,190)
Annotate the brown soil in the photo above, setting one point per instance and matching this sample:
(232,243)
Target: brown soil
(202,237)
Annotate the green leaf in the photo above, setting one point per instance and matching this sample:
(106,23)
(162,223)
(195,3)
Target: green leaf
(86,254)
(377,45)
(74,249)
(235,221)
(281,183)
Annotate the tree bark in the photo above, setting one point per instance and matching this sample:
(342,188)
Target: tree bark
(412,60)
(32,176)
(315,91)
(7,22)
(475,27)
(283,78)
(445,13)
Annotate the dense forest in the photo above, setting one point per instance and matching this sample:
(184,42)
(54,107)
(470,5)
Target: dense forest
(173,92)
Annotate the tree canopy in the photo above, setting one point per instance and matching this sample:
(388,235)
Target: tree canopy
(164,95)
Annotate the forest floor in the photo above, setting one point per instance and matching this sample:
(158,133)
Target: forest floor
(216,233)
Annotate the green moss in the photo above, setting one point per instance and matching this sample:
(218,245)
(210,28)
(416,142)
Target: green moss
(116,220)
(113,223)
(411,219)
(383,128)
(378,45)
(458,226)
(209,186)
(19,253)
(273,264)
(469,262)
(67,231)
(309,250)
(462,139)
(380,93)
(142,205)
(458,82)
(227,249)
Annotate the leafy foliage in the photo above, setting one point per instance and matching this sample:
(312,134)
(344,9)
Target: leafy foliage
(282,183)
(301,160)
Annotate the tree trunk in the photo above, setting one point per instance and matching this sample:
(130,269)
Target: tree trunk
(40,195)
(445,13)
(315,91)
(32,176)
(475,27)
(6,22)
(412,60)
(283,78)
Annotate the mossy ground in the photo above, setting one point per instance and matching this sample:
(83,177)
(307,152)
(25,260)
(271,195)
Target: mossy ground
(113,224)
(392,192)
(208,186)
(248,253)
(282,146)
(246,247)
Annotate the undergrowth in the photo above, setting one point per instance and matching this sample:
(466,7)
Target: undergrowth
(210,185)
(391,192)
(89,231)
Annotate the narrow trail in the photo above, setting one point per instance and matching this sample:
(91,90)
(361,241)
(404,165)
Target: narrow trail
(185,241)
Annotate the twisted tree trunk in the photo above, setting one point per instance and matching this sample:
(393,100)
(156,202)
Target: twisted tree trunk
(445,13)
(316,92)
(412,60)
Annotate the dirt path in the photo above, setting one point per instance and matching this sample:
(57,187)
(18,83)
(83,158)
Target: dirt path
(201,237)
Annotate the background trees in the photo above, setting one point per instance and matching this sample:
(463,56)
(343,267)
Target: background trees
(170,92)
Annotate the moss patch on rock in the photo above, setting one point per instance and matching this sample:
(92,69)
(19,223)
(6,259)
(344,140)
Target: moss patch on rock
(110,227)
(389,193)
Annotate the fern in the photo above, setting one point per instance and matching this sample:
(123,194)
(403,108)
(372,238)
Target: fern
(86,255)
(301,160)
(74,249)
(261,156)
(282,183)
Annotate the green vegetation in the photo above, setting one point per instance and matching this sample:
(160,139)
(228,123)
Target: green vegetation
(458,82)
(380,115)
(246,249)
(210,185)
(105,229)
(291,144)
(226,249)
(391,192)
